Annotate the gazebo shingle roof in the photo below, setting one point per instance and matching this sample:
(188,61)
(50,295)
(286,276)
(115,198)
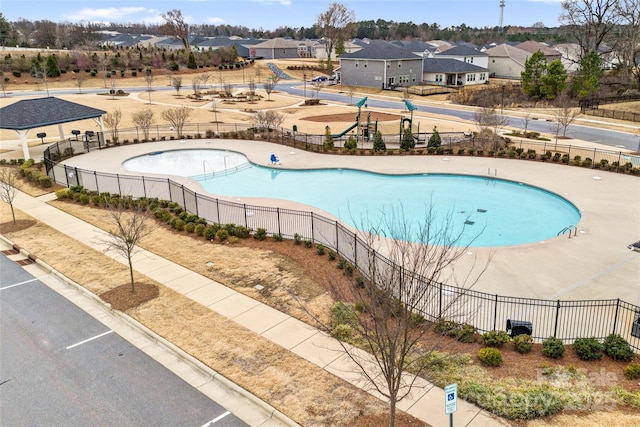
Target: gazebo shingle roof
(39,112)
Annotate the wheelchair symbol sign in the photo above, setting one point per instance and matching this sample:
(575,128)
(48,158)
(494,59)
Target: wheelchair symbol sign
(451,398)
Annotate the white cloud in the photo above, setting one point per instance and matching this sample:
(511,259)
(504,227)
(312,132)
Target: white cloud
(105,14)
(215,20)
(282,2)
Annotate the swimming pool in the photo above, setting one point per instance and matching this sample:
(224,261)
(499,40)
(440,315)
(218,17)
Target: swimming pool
(488,211)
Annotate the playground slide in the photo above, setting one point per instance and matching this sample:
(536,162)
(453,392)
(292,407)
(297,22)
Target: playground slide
(338,135)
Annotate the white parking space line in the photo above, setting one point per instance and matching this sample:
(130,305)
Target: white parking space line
(89,339)
(18,284)
(215,420)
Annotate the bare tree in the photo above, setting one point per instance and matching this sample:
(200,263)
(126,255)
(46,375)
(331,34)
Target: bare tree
(177,117)
(112,121)
(384,312)
(143,119)
(4,82)
(628,50)
(149,79)
(488,119)
(79,82)
(196,85)
(565,115)
(317,87)
(8,180)
(130,229)
(335,25)
(228,90)
(526,118)
(590,22)
(176,82)
(269,86)
(252,89)
(175,26)
(268,119)
(350,90)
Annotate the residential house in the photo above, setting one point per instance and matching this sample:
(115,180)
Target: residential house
(506,61)
(452,72)
(380,64)
(280,48)
(532,47)
(467,54)
(417,47)
(319,49)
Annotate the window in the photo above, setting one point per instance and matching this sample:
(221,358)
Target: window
(357,63)
(483,76)
(399,64)
(438,78)
(366,63)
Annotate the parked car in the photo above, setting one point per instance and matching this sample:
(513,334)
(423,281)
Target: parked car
(320,79)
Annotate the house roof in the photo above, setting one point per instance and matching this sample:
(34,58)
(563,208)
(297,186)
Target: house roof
(449,65)
(507,51)
(533,46)
(278,43)
(461,50)
(413,45)
(380,49)
(39,112)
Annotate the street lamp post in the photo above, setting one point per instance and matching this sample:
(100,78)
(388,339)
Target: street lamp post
(304,76)
(502,104)
(215,113)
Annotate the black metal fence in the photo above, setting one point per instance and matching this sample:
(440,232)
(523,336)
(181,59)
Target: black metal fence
(588,157)
(566,320)
(592,106)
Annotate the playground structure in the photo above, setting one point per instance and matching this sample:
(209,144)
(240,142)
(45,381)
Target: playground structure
(365,130)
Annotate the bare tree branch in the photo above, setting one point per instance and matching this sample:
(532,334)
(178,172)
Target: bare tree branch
(130,227)
(8,180)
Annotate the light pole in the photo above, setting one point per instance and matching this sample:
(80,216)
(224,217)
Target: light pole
(502,105)
(304,76)
(215,112)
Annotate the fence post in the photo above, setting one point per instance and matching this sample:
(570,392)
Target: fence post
(593,164)
(95,175)
(218,210)
(495,312)
(439,300)
(619,160)
(119,188)
(555,327)
(355,250)
(615,318)
(312,233)
(337,238)
(279,229)
(144,188)
(244,206)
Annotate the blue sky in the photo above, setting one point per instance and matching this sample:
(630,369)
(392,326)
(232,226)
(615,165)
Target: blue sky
(270,14)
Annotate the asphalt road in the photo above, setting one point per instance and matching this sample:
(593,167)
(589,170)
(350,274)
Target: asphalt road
(627,139)
(61,367)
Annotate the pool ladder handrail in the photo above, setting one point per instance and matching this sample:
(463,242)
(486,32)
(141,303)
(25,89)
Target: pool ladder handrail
(569,228)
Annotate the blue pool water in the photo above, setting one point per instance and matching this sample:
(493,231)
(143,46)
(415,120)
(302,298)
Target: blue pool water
(488,211)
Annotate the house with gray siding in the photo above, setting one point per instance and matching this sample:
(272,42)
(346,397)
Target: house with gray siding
(380,64)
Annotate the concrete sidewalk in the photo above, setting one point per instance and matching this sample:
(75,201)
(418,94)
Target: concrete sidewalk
(426,402)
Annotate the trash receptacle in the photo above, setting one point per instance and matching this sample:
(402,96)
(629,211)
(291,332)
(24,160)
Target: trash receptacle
(519,327)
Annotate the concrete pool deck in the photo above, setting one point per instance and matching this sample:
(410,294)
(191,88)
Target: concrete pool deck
(596,264)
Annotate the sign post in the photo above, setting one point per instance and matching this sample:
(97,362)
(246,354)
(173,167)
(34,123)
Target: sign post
(451,401)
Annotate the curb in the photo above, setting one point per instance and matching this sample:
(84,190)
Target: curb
(221,380)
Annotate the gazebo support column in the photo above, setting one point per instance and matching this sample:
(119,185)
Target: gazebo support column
(61,131)
(23,134)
